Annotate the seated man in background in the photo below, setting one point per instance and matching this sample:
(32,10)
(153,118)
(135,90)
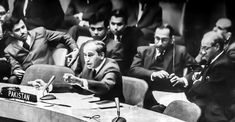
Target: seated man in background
(32,47)
(162,64)
(127,38)
(79,11)
(214,91)
(98,30)
(100,75)
(223,27)
(5,69)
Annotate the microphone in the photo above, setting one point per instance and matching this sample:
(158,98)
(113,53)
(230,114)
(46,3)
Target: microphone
(48,96)
(118,118)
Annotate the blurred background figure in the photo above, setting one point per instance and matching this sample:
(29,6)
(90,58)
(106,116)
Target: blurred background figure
(35,13)
(146,15)
(79,11)
(5,69)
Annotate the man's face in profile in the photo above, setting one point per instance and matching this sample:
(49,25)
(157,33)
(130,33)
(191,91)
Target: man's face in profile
(20,31)
(98,30)
(208,51)
(91,56)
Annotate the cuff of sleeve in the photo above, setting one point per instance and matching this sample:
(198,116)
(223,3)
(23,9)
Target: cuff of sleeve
(75,49)
(84,83)
(185,82)
(151,77)
(50,88)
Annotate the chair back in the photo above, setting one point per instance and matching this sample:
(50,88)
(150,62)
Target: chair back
(44,72)
(186,111)
(58,56)
(134,90)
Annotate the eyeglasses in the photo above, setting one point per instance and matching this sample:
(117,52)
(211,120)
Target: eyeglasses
(220,28)
(2,13)
(164,39)
(95,117)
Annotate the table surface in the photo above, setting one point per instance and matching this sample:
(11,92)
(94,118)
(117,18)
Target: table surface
(80,106)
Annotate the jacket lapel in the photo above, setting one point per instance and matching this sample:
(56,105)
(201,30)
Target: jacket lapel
(33,35)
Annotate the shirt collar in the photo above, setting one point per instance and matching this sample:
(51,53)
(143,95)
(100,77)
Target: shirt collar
(101,64)
(213,60)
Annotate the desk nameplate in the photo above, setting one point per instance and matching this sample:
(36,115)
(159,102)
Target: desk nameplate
(19,95)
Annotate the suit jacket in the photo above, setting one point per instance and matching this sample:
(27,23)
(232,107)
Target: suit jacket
(144,64)
(231,51)
(114,50)
(105,83)
(215,93)
(87,8)
(42,43)
(125,48)
(46,13)
(151,18)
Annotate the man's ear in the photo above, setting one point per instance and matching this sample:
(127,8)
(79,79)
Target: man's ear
(217,46)
(228,35)
(172,39)
(102,55)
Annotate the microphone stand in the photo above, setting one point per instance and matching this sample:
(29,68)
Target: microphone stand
(48,96)
(118,118)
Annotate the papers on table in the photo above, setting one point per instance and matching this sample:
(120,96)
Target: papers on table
(167,97)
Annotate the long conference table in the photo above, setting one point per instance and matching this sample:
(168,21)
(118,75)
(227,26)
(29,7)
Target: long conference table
(73,107)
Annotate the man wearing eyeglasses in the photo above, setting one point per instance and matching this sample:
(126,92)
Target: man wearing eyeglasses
(162,64)
(214,93)
(223,27)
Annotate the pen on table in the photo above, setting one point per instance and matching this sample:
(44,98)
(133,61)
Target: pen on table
(109,107)
(56,104)
(88,97)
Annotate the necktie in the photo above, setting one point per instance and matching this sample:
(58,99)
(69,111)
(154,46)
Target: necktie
(90,74)
(93,73)
(159,55)
(26,45)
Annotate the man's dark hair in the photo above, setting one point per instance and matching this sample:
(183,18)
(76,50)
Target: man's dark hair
(220,41)
(119,13)
(9,23)
(99,17)
(167,26)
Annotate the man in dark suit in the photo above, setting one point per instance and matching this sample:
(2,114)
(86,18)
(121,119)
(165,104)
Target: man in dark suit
(146,15)
(100,75)
(80,11)
(223,27)
(126,37)
(37,13)
(214,91)
(32,47)
(98,27)
(162,64)
(5,69)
